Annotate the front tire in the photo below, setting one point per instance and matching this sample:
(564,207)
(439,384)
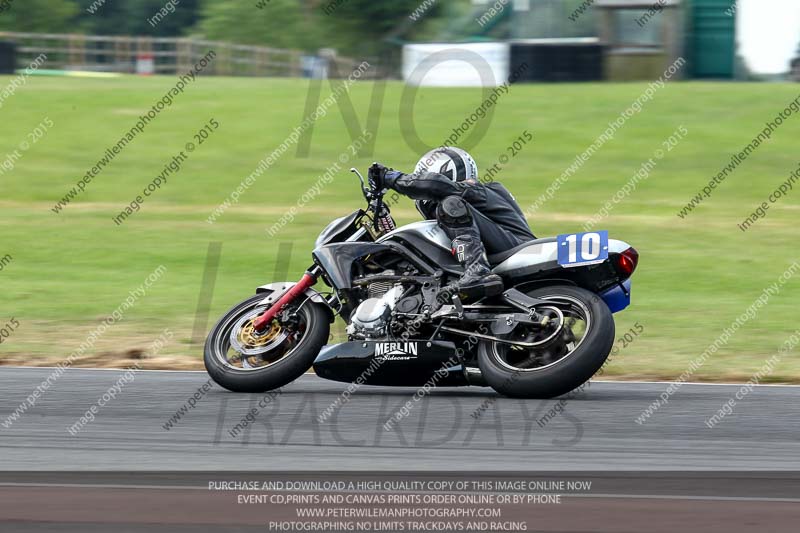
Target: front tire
(562,363)
(282,358)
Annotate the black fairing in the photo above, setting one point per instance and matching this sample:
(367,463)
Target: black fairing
(596,278)
(434,255)
(350,361)
(337,260)
(340,230)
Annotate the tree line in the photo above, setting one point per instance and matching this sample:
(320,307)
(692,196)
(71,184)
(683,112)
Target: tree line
(359,27)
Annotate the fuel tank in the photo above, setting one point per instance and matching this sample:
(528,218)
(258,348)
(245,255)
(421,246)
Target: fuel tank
(427,230)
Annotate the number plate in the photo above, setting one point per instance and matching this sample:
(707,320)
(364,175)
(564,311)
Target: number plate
(579,249)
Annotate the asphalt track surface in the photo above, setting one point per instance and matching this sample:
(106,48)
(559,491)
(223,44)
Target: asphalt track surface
(596,431)
(125,472)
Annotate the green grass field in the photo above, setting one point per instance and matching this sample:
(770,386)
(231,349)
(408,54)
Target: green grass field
(697,275)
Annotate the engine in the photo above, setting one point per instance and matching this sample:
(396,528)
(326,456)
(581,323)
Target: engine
(389,304)
(372,318)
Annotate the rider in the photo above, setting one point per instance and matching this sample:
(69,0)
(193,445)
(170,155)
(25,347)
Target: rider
(477,217)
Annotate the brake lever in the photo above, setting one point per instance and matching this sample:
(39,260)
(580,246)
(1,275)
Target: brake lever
(364,189)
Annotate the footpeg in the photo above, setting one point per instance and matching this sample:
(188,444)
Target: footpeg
(459,307)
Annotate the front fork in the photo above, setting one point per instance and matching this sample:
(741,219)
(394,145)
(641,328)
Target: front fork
(307,281)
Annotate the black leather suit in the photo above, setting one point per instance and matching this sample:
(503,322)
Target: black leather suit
(467,209)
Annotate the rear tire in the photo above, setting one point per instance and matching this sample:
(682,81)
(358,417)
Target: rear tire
(274,375)
(565,374)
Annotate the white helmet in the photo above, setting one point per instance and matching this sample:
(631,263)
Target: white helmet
(452,162)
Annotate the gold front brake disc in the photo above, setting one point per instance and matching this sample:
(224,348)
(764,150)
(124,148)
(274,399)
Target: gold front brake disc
(249,338)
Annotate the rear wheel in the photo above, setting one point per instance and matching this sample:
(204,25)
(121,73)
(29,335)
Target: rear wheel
(243,360)
(571,348)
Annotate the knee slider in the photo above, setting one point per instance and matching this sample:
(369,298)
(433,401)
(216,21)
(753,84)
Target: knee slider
(454,212)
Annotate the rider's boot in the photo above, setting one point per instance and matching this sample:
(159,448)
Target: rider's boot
(477,281)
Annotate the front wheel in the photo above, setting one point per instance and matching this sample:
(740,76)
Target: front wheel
(571,347)
(243,360)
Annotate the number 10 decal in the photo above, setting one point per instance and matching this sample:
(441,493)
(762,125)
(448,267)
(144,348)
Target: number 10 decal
(580,249)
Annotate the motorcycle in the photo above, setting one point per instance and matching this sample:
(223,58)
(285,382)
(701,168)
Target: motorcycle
(550,330)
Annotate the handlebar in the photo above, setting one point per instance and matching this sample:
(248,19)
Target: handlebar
(375,204)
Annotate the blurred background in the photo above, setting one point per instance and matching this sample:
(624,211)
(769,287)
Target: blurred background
(77,75)
(614,39)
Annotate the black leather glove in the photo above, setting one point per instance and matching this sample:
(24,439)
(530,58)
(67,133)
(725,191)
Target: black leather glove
(377,177)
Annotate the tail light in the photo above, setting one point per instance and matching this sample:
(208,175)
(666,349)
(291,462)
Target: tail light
(627,261)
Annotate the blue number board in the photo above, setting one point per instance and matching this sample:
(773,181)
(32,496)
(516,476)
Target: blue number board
(578,249)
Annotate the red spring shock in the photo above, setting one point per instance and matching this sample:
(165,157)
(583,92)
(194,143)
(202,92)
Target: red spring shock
(305,282)
(385,222)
